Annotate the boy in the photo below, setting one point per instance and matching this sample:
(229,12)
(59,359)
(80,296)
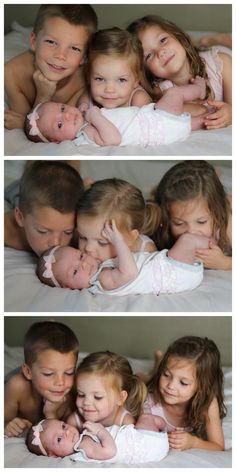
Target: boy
(50,70)
(45,215)
(44,387)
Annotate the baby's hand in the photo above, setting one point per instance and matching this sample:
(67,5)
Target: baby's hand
(16,427)
(221,118)
(111,232)
(45,87)
(94,428)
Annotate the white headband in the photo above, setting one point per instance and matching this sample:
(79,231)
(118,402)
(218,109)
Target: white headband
(49,260)
(37,429)
(34,130)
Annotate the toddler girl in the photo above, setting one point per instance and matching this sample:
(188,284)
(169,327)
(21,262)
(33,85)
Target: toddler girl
(192,199)
(163,123)
(136,273)
(187,392)
(115,71)
(171,59)
(124,444)
(119,394)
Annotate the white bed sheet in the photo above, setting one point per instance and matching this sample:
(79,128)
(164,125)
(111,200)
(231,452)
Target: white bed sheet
(200,143)
(18,456)
(24,292)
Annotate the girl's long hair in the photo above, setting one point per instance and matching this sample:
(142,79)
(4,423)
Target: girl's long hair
(196,63)
(209,377)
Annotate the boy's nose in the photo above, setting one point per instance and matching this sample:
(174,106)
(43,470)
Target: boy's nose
(60,53)
(59,380)
(55,240)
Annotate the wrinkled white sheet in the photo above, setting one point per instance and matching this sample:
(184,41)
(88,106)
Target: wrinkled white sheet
(18,456)
(200,143)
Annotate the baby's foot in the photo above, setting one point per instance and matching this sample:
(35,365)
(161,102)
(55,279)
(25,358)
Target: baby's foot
(222,39)
(201,83)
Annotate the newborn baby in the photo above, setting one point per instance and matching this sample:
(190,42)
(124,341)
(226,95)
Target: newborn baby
(152,124)
(170,271)
(124,444)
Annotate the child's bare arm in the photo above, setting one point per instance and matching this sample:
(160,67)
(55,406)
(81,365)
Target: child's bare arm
(17,100)
(105,449)
(102,131)
(127,268)
(13,425)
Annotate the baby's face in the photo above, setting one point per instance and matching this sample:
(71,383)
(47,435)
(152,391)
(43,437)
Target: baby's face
(59,122)
(73,268)
(59,438)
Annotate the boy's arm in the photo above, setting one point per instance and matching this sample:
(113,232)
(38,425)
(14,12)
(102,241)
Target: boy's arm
(13,425)
(45,89)
(105,449)
(127,268)
(17,100)
(102,131)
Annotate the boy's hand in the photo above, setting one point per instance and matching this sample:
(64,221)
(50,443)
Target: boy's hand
(50,409)
(111,232)
(221,118)
(16,427)
(13,120)
(45,88)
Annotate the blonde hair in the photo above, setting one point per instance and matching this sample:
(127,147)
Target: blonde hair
(120,43)
(122,201)
(196,63)
(117,368)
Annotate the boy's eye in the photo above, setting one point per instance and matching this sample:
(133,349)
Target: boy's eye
(69,232)
(50,41)
(42,231)
(47,374)
(70,373)
(59,124)
(75,49)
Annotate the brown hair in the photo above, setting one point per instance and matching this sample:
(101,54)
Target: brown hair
(45,335)
(118,369)
(118,42)
(52,184)
(209,377)
(196,63)
(118,199)
(185,181)
(83,15)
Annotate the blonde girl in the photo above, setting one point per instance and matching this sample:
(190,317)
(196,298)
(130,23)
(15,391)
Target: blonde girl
(187,392)
(193,200)
(107,391)
(115,199)
(114,71)
(171,59)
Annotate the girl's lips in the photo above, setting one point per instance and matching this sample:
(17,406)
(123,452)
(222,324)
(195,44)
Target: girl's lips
(56,68)
(168,60)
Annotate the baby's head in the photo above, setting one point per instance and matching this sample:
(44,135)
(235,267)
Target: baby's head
(53,122)
(67,267)
(52,438)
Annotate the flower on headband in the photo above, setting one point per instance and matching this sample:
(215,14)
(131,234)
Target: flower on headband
(36,441)
(34,129)
(49,260)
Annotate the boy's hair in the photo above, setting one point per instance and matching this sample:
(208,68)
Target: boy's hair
(52,184)
(119,43)
(118,199)
(83,15)
(45,335)
(185,181)
(209,377)
(197,64)
(118,373)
